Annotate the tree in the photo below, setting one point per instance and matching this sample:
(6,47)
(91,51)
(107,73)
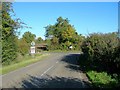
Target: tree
(23,47)
(68,34)
(39,40)
(29,37)
(54,43)
(9,27)
(56,29)
(64,32)
(49,31)
(9,31)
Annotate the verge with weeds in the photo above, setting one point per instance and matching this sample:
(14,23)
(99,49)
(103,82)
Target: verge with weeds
(22,63)
(101,60)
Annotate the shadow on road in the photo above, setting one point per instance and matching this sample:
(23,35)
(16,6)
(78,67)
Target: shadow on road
(72,61)
(71,58)
(54,82)
(47,81)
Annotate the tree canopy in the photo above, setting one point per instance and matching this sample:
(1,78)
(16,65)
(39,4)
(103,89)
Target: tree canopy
(9,26)
(62,32)
(29,37)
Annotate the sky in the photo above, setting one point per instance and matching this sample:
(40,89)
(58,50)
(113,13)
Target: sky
(87,17)
(60,0)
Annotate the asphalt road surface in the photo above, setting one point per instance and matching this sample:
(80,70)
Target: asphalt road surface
(59,70)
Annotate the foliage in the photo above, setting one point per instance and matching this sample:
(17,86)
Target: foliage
(8,50)
(102,79)
(100,49)
(54,43)
(23,47)
(29,37)
(8,34)
(101,59)
(38,40)
(10,41)
(24,43)
(62,35)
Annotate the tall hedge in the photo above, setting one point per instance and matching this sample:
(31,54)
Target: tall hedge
(8,34)
(102,51)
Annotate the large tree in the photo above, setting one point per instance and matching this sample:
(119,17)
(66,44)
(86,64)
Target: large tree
(38,40)
(29,37)
(8,30)
(64,32)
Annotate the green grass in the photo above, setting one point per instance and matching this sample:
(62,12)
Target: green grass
(101,79)
(24,62)
(62,51)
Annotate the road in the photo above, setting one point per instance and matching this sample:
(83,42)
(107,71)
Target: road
(59,70)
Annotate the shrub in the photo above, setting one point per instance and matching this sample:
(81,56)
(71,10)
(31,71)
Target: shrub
(102,51)
(23,47)
(8,50)
(102,79)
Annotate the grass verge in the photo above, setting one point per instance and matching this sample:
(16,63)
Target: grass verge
(25,62)
(102,79)
(65,51)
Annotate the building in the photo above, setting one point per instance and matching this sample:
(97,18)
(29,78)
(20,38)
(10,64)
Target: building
(41,47)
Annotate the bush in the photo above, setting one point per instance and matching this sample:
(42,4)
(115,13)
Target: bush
(102,79)
(23,47)
(102,51)
(8,50)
